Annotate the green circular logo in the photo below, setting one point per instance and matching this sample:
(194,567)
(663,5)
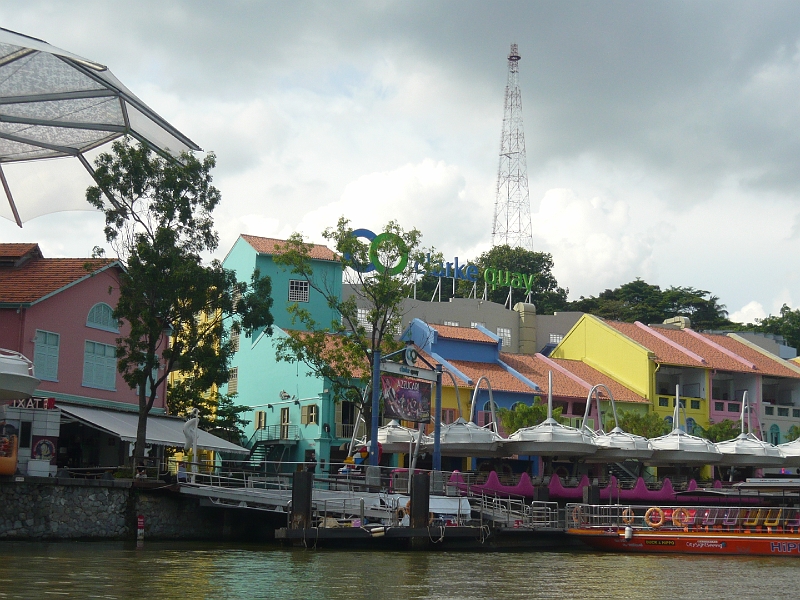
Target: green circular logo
(401,246)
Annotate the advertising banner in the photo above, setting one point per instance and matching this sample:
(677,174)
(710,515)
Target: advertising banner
(406,399)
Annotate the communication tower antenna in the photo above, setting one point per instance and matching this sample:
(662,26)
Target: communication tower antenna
(512,207)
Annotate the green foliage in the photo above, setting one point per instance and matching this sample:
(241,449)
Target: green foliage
(345,358)
(158,220)
(649,425)
(640,301)
(521,415)
(787,324)
(793,433)
(720,432)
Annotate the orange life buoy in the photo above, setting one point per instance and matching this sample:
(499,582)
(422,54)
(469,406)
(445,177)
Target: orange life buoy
(628,516)
(648,517)
(680,517)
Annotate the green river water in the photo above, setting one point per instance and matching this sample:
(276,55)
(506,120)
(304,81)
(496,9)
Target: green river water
(198,570)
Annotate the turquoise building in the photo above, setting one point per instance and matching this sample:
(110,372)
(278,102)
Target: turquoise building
(293,417)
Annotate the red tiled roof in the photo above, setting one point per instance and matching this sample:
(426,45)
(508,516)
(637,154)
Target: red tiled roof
(272,246)
(664,352)
(714,358)
(764,364)
(499,378)
(16,250)
(535,368)
(468,334)
(40,277)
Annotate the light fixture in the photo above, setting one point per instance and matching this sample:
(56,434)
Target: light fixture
(297,402)
(269,406)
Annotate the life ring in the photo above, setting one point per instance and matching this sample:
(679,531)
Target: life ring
(577,513)
(654,510)
(628,516)
(680,517)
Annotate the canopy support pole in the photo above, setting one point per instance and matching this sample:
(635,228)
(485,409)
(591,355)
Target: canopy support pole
(10,198)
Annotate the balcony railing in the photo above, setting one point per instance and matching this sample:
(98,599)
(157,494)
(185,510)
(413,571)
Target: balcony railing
(275,433)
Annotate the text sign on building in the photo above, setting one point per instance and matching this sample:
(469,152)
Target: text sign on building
(406,399)
(38,403)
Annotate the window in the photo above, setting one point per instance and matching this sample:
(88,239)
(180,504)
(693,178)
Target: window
(235,340)
(475,324)
(504,333)
(451,323)
(734,407)
(233,380)
(285,423)
(783,412)
(99,366)
(261,419)
(45,355)
(101,316)
(769,410)
(695,404)
(298,290)
(555,338)
(690,425)
(25,429)
(719,406)
(448,415)
(796,413)
(363,319)
(663,401)
(775,435)
(308,414)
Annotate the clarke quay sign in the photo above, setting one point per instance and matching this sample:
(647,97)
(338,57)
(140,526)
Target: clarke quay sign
(493,277)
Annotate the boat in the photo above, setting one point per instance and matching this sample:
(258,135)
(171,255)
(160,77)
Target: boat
(767,526)
(17,380)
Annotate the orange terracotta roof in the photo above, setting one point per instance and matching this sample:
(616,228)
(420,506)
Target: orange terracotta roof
(499,378)
(764,364)
(664,352)
(469,334)
(715,359)
(272,246)
(536,368)
(17,250)
(39,277)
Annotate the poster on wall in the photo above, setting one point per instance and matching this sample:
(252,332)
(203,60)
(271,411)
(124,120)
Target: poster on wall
(44,448)
(406,399)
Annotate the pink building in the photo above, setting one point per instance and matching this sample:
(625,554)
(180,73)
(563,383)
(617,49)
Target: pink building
(58,313)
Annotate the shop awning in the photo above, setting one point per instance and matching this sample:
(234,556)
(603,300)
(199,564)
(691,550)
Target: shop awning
(161,431)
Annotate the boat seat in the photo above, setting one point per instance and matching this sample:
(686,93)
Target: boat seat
(731,517)
(753,517)
(710,517)
(793,518)
(773,517)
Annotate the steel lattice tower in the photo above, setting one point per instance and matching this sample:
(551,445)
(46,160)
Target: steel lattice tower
(512,208)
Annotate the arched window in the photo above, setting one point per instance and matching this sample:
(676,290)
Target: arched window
(516,404)
(668,420)
(774,435)
(487,407)
(101,316)
(690,425)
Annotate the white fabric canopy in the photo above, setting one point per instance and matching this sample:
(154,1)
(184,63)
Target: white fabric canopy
(161,431)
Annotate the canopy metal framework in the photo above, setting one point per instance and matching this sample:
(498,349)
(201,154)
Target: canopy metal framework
(56,104)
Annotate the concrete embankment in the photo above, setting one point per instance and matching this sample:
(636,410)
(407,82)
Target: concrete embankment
(42,508)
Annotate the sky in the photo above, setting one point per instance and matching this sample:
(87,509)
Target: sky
(663,138)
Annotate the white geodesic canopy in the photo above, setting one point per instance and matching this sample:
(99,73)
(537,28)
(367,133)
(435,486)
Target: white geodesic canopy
(57,104)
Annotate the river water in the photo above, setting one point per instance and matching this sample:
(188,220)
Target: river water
(198,570)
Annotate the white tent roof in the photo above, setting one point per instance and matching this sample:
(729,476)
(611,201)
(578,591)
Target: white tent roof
(161,431)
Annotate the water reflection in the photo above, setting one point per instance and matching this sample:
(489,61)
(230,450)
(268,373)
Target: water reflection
(181,570)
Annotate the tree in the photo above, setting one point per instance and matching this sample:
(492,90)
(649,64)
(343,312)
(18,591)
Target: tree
(158,220)
(793,433)
(521,415)
(640,301)
(545,291)
(342,351)
(649,425)
(722,431)
(787,324)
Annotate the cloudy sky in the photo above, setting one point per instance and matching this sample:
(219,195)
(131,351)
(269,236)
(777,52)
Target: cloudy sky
(663,138)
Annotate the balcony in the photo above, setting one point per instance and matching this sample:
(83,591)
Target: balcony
(277,434)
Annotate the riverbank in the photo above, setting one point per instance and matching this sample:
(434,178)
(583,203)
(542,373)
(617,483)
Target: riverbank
(48,508)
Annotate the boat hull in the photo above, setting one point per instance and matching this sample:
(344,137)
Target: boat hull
(755,543)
